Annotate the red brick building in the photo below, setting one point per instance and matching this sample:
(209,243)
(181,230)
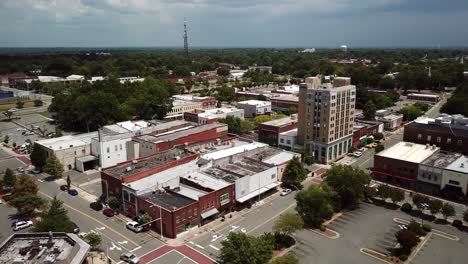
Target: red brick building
(400,163)
(362,130)
(268,132)
(284,102)
(448,138)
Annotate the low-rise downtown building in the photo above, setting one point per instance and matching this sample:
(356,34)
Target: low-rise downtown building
(269,132)
(212,115)
(253,108)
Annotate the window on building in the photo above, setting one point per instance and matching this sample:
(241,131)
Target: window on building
(429,138)
(189,213)
(120,146)
(438,139)
(419,136)
(453,182)
(281,140)
(435,178)
(211,204)
(183,216)
(459,142)
(288,142)
(115,147)
(429,177)
(177,219)
(449,140)
(195,211)
(224,199)
(273,176)
(108,149)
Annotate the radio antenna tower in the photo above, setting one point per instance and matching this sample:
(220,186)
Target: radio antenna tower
(185,38)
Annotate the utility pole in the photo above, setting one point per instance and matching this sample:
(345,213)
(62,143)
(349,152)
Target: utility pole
(185,39)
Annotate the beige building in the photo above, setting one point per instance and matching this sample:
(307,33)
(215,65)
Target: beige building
(326,117)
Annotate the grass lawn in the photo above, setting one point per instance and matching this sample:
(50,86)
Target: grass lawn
(9,105)
(46,114)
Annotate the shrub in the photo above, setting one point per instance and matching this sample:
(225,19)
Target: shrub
(403,257)
(457,223)
(416,228)
(427,227)
(406,207)
(323,228)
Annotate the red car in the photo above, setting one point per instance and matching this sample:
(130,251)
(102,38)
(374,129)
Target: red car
(108,212)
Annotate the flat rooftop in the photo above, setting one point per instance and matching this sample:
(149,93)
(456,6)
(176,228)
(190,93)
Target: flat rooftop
(68,141)
(410,152)
(441,159)
(31,248)
(168,199)
(170,136)
(213,113)
(257,103)
(290,133)
(282,121)
(206,181)
(146,163)
(232,151)
(460,165)
(284,97)
(424,95)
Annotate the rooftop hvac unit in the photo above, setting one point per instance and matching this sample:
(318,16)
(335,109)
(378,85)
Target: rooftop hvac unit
(427,146)
(434,147)
(128,169)
(134,161)
(462,165)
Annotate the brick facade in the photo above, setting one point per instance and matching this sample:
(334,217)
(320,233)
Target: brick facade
(269,134)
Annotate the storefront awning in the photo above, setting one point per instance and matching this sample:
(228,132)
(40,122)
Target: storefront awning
(209,213)
(257,192)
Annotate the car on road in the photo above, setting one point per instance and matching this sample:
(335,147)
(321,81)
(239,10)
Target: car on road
(357,154)
(362,149)
(82,234)
(108,212)
(285,192)
(97,206)
(12,110)
(64,187)
(134,226)
(73,192)
(130,258)
(35,171)
(22,225)
(76,228)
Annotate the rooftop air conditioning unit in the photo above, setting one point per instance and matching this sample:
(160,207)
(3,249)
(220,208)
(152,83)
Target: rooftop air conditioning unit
(462,165)
(128,169)
(134,161)
(427,146)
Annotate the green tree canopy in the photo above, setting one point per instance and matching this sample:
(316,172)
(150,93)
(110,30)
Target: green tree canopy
(240,248)
(289,258)
(288,223)
(53,167)
(38,156)
(314,205)
(447,210)
(93,239)
(9,179)
(27,203)
(410,112)
(348,182)
(435,205)
(55,219)
(369,110)
(24,185)
(295,173)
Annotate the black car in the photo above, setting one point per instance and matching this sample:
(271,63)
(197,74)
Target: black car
(76,228)
(96,206)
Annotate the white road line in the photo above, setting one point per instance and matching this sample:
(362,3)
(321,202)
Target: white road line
(213,247)
(135,249)
(198,246)
(160,256)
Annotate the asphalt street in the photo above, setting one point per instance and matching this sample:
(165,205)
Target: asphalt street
(116,238)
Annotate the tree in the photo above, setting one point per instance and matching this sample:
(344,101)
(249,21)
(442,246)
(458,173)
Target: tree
(26,204)
(38,156)
(397,195)
(465,215)
(348,182)
(222,71)
(369,110)
(435,205)
(387,83)
(19,104)
(6,139)
(38,102)
(219,104)
(407,239)
(225,93)
(288,223)
(93,239)
(314,205)
(144,219)
(289,258)
(68,181)
(378,136)
(9,179)
(55,219)
(113,203)
(24,185)
(447,210)
(295,173)
(8,115)
(420,200)
(53,167)
(240,248)
(237,125)
(410,112)
(379,148)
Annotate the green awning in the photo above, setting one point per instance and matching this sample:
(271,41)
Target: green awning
(209,213)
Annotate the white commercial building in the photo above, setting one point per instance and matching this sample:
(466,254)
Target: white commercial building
(456,175)
(211,115)
(253,108)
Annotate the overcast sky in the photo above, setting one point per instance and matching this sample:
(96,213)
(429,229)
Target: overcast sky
(234,23)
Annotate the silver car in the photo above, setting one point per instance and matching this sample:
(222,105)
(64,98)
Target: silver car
(130,258)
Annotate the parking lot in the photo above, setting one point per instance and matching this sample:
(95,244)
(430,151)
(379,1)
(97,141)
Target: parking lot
(373,227)
(8,161)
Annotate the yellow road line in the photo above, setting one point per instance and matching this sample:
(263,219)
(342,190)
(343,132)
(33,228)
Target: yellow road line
(284,210)
(96,220)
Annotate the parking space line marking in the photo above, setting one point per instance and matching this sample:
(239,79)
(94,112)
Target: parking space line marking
(213,247)
(135,249)
(96,220)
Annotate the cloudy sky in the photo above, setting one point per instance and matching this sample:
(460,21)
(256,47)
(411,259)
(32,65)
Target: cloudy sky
(234,23)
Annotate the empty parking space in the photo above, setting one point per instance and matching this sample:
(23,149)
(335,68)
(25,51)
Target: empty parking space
(12,163)
(3,154)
